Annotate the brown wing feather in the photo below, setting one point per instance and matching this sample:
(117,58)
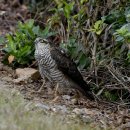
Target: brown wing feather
(69,68)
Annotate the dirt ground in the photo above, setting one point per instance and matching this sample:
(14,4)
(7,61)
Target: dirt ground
(103,114)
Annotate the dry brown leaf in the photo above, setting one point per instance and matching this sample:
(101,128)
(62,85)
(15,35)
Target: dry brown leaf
(11,59)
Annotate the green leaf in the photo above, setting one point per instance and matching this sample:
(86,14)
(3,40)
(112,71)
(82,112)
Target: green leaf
(119,39)
(83,1)
(110,96)
(98,24)
(24,51)
(11,44)
(45,32)
(36,30)
(127,35)
(82,61)
(2,40)
(67,9)
(30,23)
(122,31)
(98,32)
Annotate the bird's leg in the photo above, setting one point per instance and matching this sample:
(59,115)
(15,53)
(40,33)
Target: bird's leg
(56,96)
(40,89)
(56,89)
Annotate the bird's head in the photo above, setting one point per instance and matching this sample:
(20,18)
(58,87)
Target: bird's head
(40,40)
(40,45)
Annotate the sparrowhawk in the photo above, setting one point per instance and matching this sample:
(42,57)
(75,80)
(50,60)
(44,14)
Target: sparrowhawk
(58,67)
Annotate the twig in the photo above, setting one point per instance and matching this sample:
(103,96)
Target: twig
(116,77)
(32,64)
(106,35)
(94,56)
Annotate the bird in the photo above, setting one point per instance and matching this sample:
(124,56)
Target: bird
(56,65)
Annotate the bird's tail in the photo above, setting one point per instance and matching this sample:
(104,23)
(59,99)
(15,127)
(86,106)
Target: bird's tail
(85,88)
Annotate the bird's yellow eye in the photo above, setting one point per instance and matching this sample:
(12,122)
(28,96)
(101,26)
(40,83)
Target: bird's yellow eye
(41,40)
(45,40)
(38,40)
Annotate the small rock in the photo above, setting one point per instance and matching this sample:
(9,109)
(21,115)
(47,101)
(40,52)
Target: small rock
(74,101)
(62,109)
(66,97)
(26,74)
(77,111)
(2,13)
(87,119)
(59,108)
(83,111)
(53,109)
(43,106)
(7,79)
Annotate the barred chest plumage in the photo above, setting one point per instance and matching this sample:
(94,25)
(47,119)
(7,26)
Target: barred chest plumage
(48,67)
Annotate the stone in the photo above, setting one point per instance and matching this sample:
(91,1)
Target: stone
(29,72)
(74,101)
(85,111)
(7,79)
(66,97)
(43,106)
(25,74)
